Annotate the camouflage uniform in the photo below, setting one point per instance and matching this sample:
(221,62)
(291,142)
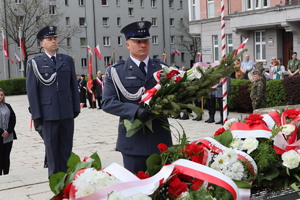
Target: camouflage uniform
(293,65)
(258,94)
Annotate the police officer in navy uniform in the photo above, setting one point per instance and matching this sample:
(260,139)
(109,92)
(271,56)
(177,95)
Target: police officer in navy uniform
(125,83)
(53,98)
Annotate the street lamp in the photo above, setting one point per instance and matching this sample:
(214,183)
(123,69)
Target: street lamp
(170,31)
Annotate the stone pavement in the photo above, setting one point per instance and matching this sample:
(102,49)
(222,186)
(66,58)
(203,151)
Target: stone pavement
(95,131)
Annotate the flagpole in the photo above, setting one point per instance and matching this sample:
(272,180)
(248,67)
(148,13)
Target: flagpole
(20,38)
(4,60)
(224,80)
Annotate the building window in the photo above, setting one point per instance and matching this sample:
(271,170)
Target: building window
(153,3)
(171,21)
(83,62)
(52,9)
(117,2)
(120,40)
(120,57)
(18,1)
(129,1)
(67,21)
(104,2)
(256,4)
(229,43)
(20,19)
(260,45)
(68,42)
(82,21)
(119,21)
(105,21)
(155,39)
(66,2)
(182,56)
(180,4)
(210,8)
(130,11)
(171,3)
(106,41)
(107,60)
(181,38)
(142,3)
(83,42)
(215,47)
(172,39)
(154,21)
(81,2)
(172,57)
(181,21)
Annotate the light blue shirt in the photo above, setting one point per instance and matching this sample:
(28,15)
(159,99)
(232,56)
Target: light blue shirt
(247,65)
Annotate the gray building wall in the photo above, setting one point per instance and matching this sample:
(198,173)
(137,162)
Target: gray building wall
(94,30)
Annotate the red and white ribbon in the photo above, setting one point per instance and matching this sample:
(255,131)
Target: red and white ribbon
(147,96)
(243,130)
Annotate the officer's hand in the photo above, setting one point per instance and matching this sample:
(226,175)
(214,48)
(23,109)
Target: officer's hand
(76,114)
(143,115)
(38,122)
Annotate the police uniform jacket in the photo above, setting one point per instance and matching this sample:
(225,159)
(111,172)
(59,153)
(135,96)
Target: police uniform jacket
(219,89)
(59,100)
(133,79)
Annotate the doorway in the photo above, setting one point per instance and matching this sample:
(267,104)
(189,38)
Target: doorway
(287,38)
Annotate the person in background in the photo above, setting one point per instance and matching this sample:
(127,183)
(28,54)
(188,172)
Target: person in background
(7,132)
(279,70)
(82,90)
(52,92)
(121,97)
(98,87)
(246,67)
(238,72)
(258,91)
(272,69)
(219,98)
(293,66)
(90,93)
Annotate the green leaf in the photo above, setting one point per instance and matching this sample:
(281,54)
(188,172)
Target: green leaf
(148,124)
(79,166)
(72,161)
(225,138)
(153,163)
(57,182)
(271,174)
(97,162)
(132,128)
(242,184)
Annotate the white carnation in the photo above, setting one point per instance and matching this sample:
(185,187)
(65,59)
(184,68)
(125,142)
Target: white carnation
(229,122)
(291,159)
(250,144)
(287,129)
(236,144)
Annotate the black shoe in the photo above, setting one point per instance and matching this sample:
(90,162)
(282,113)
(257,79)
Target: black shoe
(176,117)
(206,120)
(219,122)
(197,119)
(185,117)
(211,121)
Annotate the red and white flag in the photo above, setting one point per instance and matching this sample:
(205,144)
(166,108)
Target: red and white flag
(22,45)
(5,52)
(98,52)
(17,58)
(177,52)
(89,49)
(164,57)
(241,47)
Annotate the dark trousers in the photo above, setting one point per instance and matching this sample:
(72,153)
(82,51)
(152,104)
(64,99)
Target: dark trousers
(82,95)
(99,99)
(211,106)
(134,163)
(58,138)
(38,127)
(5,150)
(91,102)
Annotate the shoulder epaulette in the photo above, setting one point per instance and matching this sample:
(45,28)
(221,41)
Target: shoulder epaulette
(119,62)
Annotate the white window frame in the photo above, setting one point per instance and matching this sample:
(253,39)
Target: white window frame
(68,21)
(105,21)
(106,41)
(66,2)
(256,4)
(83,42)
(171,3)
(130,1)
(118,21)
(118,3)
(69,42)
(260,45)
(210,8)
(142,3)
(130,11)
(154,39)
(153,3)
(215,45)
(182,55)
(172,21)
(172,39)
(107,60)
(229,42)
(18,1)
(82,25)
(154,21)
(104,2)
(81,2)
(83,63)
(52,9)
(120,41)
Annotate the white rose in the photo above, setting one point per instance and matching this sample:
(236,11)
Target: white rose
(236,144)
(287,129)
(291,159)
(250,144)
(229,122)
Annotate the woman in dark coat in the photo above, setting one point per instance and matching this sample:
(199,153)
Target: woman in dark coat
(7,125)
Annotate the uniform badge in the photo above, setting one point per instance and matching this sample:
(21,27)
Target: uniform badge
(141,25)
(130,77)
(45,66)
(46,74)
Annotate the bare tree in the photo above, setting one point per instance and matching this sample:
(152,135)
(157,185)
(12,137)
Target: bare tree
(30,16)
(186,41)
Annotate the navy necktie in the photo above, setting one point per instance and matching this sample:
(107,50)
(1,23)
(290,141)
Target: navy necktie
(142,68)
(53,59)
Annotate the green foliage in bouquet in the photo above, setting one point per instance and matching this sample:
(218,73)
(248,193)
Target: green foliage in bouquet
(60,180)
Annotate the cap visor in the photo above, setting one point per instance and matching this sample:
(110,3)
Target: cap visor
(48,36)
